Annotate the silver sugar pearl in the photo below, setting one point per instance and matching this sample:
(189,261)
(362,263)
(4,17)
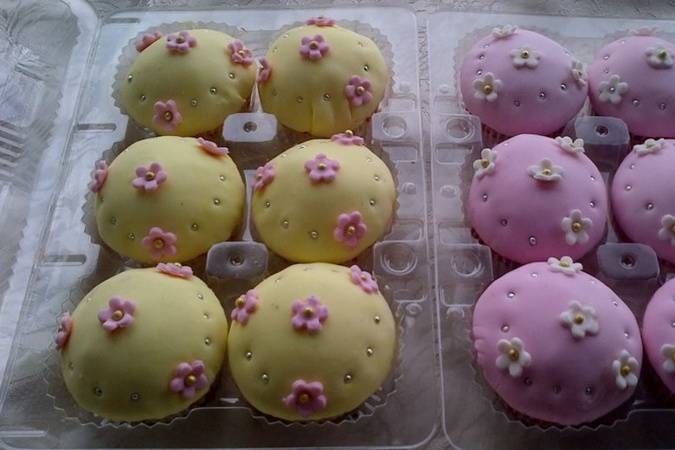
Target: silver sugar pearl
(98,391)
(265,378)
(369,351)
(366,67)
(636,102)
(207,341)
(129,78)
(284,224)
(249,355)
(629,187)
(348,378)
(194,226)
(649,206)
(194,102)
(314,234)
(532,240)
(299,99)
(216,201)
(326,96)
(135,396)
(231,75)
(371,202)
(505,328)
(267,204)
(563,86)
(662,106)
(200,296)
(131,236)
(142,97)
(511,294)
(113,220)
(485,197)
(542,94)
(213,91)
(376,319)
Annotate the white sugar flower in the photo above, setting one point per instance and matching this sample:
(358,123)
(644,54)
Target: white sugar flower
(649,146)
(486,163)
(667,231)
(545,171)
(503,32)
(565,265)
(512,356)
(486,87)
(575,226)
(659,58)
(580,319)
(625,369)
(579,72)
(525,57)
(569,145)
(612,89)
(644,31)
(668,351)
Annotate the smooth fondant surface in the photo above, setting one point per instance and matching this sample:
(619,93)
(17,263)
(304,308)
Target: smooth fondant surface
(309,95)
(201,201)
(204,82)
(538,100)
(297,217)
(569,380)
(642,194)
(350,355)
(124,375)
(520,217)
(648,104)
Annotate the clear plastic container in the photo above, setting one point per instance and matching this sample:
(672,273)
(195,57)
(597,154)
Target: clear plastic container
(473,416)
(72,54)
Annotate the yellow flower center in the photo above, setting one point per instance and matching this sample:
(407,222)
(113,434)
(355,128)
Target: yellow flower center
(577,227)
(485,163)
(662,54)
(117,315)
(360,90)
(322,166)
(308,312)
(303,398)
(524,54)
(625,370)
(672,355)
(180,39)
(168,116)
(487,89)
(364,277)
(579,319)
(349,133)
(351,229)
(564,264)
(149,176)
(158,243)
(672,228)
(514,354)
(547,172)
(190,380)
(313,45)
(242,53)
(240,302)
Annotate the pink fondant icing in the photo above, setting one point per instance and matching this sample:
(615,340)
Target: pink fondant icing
(642,194)
(648,105)
(520,106)
(521,217)
(658,331)
(568,380)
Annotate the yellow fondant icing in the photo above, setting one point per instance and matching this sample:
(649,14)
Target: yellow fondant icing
(205,84)
(201,201)
(124,375)
(309,95)
(297,218)
(337,355)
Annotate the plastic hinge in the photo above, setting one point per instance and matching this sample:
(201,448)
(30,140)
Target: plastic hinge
(396,127)
(628,261)
(237,260)
(453,129)
(250,127)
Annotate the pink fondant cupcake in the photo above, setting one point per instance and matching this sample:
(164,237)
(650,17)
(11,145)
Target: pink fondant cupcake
(556,344)
(518,81)
(533,197)
(633,79)
(642,196)
(658,333)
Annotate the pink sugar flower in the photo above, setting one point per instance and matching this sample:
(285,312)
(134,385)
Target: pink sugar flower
(264,71)
(147,40)
(244,306)
(347,138)
(350,229)
(181,42)
(167,116)
(64,330)
(321,21)
(263,176)
(358,91)
(212,148)
(306,397)
(149,178)
(313,48)
(239,54)
(175,270)
(308,314)
(118,314)
(98,176)
(189,378)
(322,169)
(363,279)
(160,243)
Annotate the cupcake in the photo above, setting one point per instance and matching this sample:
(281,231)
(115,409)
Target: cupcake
(532,197)
(518,81)
(143,345)
(642,200)
(658,333)
(632,79)
(555,344)
(322,79)
(168,199)
(188,82)
(312,342)
(323,200)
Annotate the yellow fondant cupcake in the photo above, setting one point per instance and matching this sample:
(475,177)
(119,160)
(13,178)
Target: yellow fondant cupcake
(187,83)
(323,200)
(312,342)
(168,199)
(321,78)
(143,345)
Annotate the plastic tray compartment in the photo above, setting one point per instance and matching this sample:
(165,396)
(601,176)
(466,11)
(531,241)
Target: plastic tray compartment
(34,411)
(472,417)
